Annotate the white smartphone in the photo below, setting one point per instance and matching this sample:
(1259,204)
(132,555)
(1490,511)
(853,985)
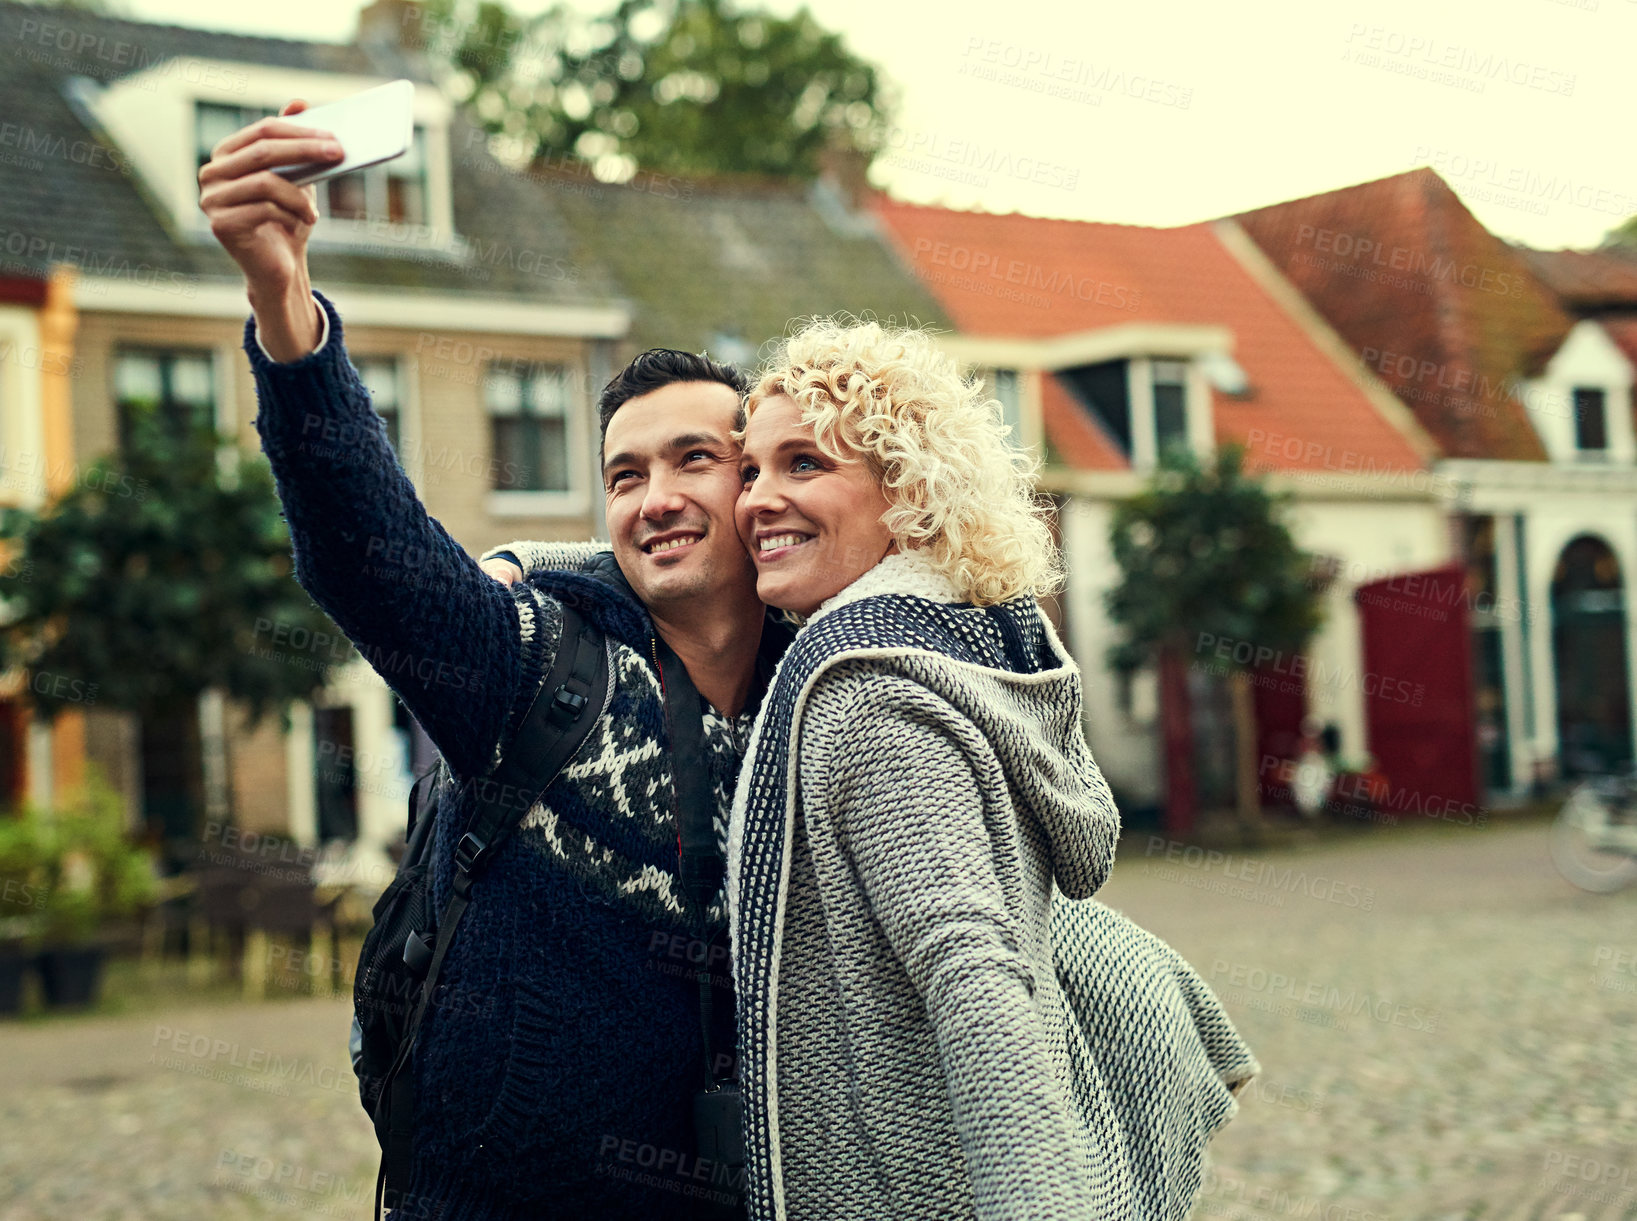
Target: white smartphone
(373,126)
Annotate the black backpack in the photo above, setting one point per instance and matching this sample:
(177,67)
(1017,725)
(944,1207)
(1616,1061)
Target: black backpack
(403,953)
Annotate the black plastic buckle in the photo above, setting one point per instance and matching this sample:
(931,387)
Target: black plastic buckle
(567,704)
(470,852)
(418,954)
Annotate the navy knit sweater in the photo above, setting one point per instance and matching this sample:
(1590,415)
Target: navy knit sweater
(555,1068)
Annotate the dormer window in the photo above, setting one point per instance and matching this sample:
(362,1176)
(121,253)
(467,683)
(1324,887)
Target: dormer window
(156,116)
(214,122)
(1591,425)
(1146,405)
(394,192)
(1579,403)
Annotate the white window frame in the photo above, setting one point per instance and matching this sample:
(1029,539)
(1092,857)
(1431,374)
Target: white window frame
(575,501)
(396,360)
(22,409)
(1196,399)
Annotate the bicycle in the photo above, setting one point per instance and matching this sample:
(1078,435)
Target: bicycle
(1594,837)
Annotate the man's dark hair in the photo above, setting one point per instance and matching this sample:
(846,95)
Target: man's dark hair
(662,367)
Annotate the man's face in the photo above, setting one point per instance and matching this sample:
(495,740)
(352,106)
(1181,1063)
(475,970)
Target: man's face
(671,478)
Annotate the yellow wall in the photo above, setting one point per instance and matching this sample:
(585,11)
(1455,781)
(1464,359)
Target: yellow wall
(448,454)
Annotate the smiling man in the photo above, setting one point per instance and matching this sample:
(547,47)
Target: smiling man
(574,1070)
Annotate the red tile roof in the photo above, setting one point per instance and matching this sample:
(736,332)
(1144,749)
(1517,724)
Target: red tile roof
(1025,277)
(1588,279)
(1445,312)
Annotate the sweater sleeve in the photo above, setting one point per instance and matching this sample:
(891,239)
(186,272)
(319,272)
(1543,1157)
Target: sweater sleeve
(902,791)
(445,636)
(554,557)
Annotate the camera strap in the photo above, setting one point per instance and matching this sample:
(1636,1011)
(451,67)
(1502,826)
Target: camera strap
(718,1115)
(701,866)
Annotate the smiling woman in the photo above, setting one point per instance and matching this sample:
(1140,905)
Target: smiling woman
(861,440)
(917,791)
(813,522)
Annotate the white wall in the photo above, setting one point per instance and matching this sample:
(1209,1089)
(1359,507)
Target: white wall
(1557,503)
(1126,747)
(1372,539)
(1549,528)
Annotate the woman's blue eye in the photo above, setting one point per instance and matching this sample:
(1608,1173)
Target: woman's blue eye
(807,460)
(748,474)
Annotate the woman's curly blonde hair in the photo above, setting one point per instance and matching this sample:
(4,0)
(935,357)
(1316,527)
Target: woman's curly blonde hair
(957,486)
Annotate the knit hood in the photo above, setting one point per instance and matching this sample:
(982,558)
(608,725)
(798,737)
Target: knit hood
(1031,717)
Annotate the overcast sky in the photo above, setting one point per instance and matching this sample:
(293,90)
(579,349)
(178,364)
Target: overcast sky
(1165,113)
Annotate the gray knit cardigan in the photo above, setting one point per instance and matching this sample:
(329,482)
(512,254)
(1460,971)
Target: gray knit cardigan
(906,1045)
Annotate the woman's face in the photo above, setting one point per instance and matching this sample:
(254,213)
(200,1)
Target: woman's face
(812,524)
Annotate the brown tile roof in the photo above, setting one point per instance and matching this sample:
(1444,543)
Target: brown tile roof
(1588,279)
(1025,277)
(1622,328)
(1442,310)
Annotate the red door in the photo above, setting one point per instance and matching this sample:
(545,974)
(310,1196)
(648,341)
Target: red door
(1418,700)
(1281,706)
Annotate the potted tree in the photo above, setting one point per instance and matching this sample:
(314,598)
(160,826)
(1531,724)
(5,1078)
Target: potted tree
(1205,555)
(22,897)
(94,877)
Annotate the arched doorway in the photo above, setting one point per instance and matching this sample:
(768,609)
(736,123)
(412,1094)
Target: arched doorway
(1589,660)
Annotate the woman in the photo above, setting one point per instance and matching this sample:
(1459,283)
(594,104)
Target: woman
(917,781)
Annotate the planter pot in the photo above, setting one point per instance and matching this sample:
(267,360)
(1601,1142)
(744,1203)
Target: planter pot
(72,975)
(13,966)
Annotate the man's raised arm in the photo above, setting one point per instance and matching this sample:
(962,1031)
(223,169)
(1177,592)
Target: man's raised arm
(445,637)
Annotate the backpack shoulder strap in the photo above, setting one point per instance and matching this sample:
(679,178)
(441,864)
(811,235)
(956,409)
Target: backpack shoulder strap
(567,704)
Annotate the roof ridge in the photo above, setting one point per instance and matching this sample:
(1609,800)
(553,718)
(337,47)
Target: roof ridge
(66,14)
(886,199)
(1402,179)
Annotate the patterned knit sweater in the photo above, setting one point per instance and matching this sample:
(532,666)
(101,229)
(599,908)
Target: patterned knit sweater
(555,1069)
(910,1043)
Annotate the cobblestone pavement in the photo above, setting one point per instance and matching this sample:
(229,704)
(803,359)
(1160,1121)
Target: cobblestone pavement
(1446,1029)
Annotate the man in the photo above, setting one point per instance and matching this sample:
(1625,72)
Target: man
(555,1072)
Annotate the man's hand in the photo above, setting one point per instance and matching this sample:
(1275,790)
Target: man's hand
(263,221)
(504,571)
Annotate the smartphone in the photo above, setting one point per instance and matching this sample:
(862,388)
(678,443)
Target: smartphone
(373,126)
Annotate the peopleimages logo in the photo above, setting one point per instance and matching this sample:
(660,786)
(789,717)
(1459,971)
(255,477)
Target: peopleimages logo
(969,161)
(1062,281)
(1450,61)
(1260,988)
(1413,262)
(1261,874)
